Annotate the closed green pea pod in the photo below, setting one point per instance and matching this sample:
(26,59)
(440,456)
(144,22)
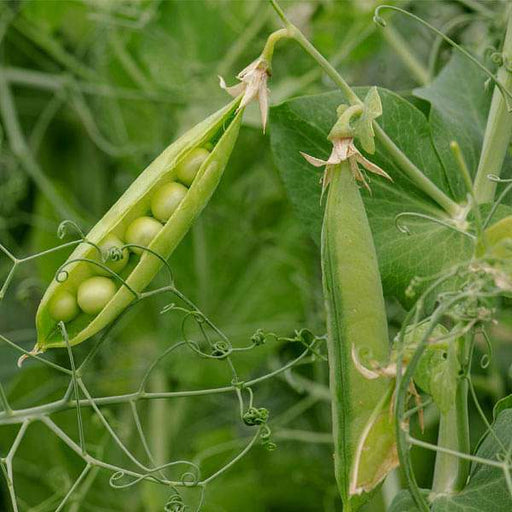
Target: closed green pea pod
(221,131)
(363,431)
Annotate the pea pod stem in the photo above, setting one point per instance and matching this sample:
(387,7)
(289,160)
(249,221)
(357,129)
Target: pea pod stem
(451,471)
(407,166)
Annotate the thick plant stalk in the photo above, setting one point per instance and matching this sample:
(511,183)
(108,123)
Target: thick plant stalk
(498,131)
(363,432)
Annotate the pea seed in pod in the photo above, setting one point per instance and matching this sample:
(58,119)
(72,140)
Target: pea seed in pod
(95,293)
(188,168)
(167,199)
(141,232)
(63,306)
(221,127)
(116,265)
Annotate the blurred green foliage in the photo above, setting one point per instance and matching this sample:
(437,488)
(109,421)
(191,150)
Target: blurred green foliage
(93,91)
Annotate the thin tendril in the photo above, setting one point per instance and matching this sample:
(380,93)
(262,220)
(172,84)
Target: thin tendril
(404,229)
(507,95)
(501,197)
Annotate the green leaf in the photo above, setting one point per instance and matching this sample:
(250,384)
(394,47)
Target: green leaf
(403,502)
(302,124)
(487,489)
(501,405)
(459,106)
(363,126)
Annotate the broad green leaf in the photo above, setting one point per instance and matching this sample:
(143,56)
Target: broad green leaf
(487,488)
(363,127)
(501,405)
(302,124)
(459,106)
(403,502)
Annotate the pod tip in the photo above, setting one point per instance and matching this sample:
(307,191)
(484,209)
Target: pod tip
(34,352)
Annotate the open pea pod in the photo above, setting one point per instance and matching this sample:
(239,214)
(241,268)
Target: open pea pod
(219,133)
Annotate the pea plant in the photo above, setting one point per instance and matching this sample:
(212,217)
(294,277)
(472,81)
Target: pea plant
(406,196)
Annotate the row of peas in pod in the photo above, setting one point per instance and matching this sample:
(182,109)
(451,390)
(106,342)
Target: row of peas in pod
(137,234)
(94,293)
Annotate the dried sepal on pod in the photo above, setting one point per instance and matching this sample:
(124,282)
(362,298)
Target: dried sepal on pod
(354,121)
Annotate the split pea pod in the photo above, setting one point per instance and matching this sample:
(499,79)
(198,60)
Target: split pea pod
(174,188)
(363,431)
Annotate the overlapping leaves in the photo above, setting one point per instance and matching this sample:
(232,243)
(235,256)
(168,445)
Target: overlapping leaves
(486,490)
(302,124)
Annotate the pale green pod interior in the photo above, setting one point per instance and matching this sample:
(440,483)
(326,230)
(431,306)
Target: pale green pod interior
(222,128)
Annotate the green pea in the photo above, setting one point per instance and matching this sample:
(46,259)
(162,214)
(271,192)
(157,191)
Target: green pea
(222,127)
(63,306)
(364,440)
(116,265)
(188,168)
(95,293)
(167,199)
(141,232)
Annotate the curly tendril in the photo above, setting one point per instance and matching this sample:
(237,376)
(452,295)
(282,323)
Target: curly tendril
(469,308)
(507,95)
(405,229)
(254,416)
(119,475)
(496,58)
(62,275)
(221,349)
(77,397)
(153,253)
(175,503)
(500,198)
(66,227)
(189,478)
(265,436)
(258,338)
(114,254)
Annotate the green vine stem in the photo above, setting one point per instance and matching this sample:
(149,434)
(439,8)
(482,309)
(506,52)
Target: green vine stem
(407,166)
(498,131)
